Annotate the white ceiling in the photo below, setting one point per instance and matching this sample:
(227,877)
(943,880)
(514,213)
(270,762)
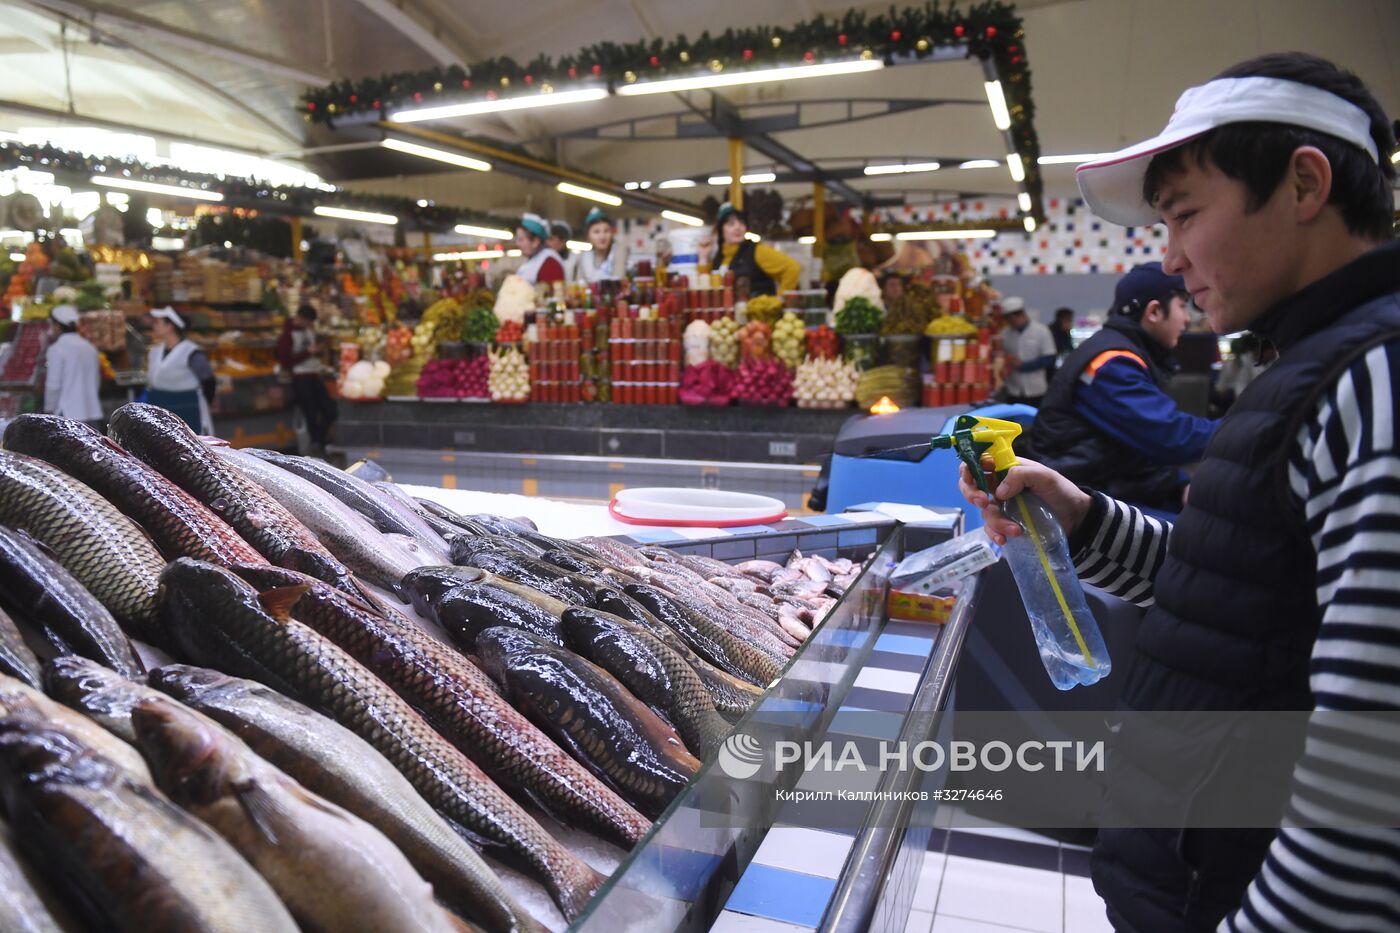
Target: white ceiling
(1105,72)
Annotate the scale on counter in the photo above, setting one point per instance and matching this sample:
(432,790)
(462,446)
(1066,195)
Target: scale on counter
(887,458)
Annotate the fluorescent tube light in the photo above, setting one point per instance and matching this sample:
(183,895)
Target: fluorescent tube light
(946,235)
(1017,167)
(680,218)
(490,232)
(720,179)
(902,169)
(808,240)
(1024,200)
(1000,115)
(448,111)
(578,191)
(750,235)
(757,178)
(469,254)
(175,191)
(440,155)
(760,76)
(579,246)
(981,163)
(343,213)
(677,183)
(880,237)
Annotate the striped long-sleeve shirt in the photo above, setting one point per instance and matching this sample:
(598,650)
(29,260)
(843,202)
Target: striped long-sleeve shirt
(1345,472)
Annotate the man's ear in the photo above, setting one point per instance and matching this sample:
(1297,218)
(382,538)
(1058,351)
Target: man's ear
(1154,307)
(1310,182)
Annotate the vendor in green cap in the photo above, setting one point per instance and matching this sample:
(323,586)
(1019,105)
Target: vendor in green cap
(608,258)
(542,264)
(768,271)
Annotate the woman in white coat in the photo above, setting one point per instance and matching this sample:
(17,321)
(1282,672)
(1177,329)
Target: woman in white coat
(178,374)
(72,371)
(608,257)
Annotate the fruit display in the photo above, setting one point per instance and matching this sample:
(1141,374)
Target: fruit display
(373,748)
(900,384)
(481,325)
(403,378)
(509,379)
(858,316)
(510,332)
(822,343)
(25,351)
(858,283)
(951,325)
(724,342)
(106,330)
(825,383)
(765,309)
(708,383)
(755,340)
(364,380)
(456,378)
(763,382)
(443,320)
(398,345)
(789,340)
(516,297)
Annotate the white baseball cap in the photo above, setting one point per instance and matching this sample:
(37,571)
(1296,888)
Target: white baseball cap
(1012,305)
(169,314)
(1112,185)
(67,315)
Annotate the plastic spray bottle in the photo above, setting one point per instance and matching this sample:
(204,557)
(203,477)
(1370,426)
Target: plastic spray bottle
(1071,646)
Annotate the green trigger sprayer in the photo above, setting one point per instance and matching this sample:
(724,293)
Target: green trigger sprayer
(1071,646)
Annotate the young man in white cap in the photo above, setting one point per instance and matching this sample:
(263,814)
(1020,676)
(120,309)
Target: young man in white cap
(1030,354)
(1278,587)
(72,371)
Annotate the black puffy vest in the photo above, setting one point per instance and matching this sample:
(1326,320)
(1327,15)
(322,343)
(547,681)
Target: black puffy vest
(1063,440)
(745,266)
(1236,612)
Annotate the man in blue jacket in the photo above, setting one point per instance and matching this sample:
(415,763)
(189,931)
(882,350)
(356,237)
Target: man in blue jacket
(1107,420)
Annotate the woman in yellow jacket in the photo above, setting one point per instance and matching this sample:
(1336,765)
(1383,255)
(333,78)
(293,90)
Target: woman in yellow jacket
(769,272)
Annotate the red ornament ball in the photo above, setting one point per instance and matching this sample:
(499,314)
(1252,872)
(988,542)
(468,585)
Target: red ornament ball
(354,98)
(490,95)
(529,79)
(375,105)
(417,97)
(1015,59)
(894,36)
(991,32)
(748,54)
(958,30)
(841,39)
(573,72)
(597,69)
(466,82)
(311,105)
(809,56)
(655,61)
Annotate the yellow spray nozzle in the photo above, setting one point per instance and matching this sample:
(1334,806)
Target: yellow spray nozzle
(972,437)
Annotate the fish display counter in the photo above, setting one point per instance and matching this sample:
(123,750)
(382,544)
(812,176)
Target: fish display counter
(304,699)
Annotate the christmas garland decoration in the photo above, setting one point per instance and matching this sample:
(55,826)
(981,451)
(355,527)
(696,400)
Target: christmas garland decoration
(991,31)
(247,192)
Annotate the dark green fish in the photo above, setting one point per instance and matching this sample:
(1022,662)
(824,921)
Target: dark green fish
(592,715)
(710,639)
(654,673)
(217,620)
(38,589)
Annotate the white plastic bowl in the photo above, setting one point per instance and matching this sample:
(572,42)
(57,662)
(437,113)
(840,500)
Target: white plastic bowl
(699,506)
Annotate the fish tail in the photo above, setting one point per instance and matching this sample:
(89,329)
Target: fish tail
(573,886)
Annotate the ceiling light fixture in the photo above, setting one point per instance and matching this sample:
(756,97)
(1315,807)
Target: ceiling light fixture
(946,235)
(1016,166)
(902,169)
(757,178)
(491,232)
(578,191)
(1024,200)
(750,235)
(174,191)
(880,237)
(1000,115)
(720,179)
(680,218)
(807,240)
(579,246)
(760,76)
(475,108)
(469,254)
(439,155)
(343,213)
(1029,224)
(677,183)
(980,163)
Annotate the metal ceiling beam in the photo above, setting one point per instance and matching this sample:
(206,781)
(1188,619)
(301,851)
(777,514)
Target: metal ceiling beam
(399,14)
(536,169)
(107,17)
(726,118)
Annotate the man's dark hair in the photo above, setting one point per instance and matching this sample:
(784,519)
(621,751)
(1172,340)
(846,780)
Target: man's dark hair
(307,312)
(561,231)
(1062,313)
(1257,154)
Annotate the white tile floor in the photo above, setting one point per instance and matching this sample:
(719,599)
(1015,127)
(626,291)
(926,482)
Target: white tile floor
(964,895)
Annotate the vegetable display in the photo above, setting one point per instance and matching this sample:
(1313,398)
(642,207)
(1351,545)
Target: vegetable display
(858,316)
(724,341)
(789,339)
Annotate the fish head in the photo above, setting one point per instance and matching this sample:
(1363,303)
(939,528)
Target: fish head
(186,753)
(35,433)
(500,646)
(426,585)
(584,626)
(32,751)
(76,681)
(203,605)
(188,683)
(149,431)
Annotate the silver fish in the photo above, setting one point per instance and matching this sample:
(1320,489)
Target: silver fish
(21,702)
(378,558)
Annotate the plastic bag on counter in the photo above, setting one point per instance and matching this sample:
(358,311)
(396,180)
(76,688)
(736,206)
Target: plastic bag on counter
(943,564)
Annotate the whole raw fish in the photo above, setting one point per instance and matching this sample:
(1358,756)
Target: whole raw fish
(23,909)
(710,640)
(20,702)
(16,659)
